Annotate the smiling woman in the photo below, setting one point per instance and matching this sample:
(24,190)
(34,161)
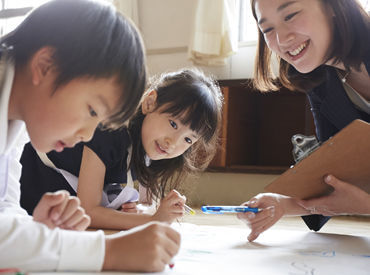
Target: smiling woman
(323,50)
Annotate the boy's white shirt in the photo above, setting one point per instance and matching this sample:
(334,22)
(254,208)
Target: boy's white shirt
(24,243)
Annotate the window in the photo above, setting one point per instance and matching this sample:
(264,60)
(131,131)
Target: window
(12,13)
(247,24)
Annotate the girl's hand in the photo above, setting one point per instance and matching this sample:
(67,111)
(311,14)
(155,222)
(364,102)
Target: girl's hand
(59,209)
(273,208)
(130,207)
(171,207)
(345,199)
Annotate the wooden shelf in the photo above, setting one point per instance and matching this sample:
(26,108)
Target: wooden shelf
(257,128)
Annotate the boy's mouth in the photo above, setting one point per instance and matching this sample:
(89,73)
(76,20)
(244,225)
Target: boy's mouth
(59,147)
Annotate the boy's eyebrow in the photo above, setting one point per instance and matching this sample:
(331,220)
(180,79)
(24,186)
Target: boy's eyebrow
(280,8)
(105,103)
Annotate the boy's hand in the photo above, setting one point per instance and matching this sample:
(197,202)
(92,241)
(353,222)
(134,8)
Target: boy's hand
(171,207)
(147,248)
(59,209)
(130,207)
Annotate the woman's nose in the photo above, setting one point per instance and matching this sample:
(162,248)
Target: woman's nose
(284,36)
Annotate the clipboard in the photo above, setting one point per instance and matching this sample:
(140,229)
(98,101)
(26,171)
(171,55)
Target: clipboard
(345,155)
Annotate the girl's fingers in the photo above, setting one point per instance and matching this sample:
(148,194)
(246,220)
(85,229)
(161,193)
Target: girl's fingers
(129,205)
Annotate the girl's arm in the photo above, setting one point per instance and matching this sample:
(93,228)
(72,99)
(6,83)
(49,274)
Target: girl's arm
(89,191)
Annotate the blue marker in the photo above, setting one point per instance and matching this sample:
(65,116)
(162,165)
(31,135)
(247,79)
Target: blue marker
(220,209)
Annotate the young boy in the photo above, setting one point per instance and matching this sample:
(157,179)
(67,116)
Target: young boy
(70,66)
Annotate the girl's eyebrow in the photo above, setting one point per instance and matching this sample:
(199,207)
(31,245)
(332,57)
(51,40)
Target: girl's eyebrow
(279,9)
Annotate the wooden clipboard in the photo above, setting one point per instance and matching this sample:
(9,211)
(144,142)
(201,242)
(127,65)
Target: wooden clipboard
(346,156)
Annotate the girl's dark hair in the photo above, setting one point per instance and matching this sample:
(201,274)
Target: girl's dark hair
(350,45)
(196,100)
(89,39)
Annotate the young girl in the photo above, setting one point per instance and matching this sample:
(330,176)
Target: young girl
(323,50)
(70,66)
(173,134)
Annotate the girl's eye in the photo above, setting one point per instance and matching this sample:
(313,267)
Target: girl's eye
(188,140)
(290,16)
(92,112)
(173,124)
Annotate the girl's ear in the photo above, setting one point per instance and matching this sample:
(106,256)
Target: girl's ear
(149,102)
(41,64)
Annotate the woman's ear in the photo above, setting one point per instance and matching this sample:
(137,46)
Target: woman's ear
(149,103)
(41,64)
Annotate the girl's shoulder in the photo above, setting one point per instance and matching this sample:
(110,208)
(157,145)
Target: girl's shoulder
(110,146)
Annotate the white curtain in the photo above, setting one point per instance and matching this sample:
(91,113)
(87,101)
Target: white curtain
(129,8)
(215,34)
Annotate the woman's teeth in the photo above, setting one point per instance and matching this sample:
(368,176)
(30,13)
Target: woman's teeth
(298,50)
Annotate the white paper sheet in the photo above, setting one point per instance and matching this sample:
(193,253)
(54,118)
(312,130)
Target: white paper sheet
(225,250)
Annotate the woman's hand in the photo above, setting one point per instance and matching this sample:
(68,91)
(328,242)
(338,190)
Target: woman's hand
(171,207)
(345,199)
(273,206)
(59,209)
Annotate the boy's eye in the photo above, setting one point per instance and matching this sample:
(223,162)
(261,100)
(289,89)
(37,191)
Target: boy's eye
(290,16)
(92,112)
(188,140)
(173,124)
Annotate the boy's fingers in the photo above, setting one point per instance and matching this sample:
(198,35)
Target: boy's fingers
(79,221)
(48,201)
(67,209)
(74,219)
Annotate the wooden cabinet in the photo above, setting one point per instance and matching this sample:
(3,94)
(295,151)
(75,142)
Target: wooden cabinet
(257,128)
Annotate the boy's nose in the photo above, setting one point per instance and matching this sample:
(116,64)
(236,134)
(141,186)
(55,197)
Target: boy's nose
(86,134)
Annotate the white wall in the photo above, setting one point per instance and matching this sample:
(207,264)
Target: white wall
(166,27)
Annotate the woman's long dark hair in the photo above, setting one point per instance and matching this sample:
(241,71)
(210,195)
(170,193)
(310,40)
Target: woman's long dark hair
(350,45)
(197,101)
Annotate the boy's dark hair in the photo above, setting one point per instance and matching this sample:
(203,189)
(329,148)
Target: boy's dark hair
(197,101)
(90,40)
(350,45)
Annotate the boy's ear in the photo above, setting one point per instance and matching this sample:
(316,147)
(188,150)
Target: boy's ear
(41,64)
(149,102)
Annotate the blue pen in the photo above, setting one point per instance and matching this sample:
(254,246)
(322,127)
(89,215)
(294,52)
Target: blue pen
(220,209)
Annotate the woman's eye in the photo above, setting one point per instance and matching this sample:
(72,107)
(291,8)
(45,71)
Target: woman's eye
(267,30)
(173,124)
(290,16)
(92,112)
(188,140)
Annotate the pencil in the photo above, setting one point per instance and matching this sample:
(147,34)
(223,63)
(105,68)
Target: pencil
(189,210)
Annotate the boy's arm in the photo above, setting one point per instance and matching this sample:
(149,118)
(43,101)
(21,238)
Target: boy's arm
(35,247)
